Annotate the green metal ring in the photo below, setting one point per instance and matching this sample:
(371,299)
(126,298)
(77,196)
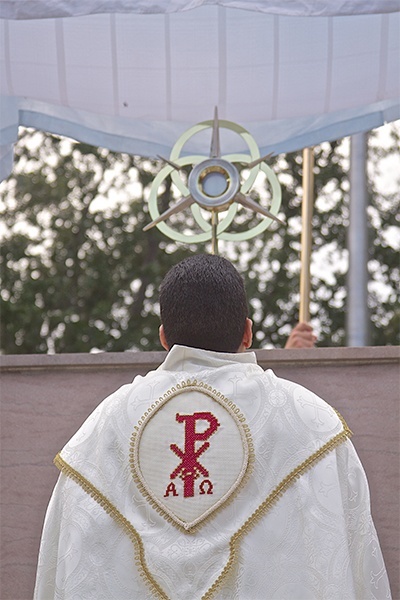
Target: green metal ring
(195,208)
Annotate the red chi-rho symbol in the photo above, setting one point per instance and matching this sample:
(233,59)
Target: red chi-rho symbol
(190,468)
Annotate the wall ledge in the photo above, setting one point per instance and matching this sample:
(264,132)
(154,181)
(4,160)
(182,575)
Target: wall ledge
(150,360)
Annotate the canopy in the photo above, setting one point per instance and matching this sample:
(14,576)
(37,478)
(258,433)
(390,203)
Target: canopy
(133,75)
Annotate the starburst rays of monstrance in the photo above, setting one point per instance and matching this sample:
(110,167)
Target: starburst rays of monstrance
(220,184)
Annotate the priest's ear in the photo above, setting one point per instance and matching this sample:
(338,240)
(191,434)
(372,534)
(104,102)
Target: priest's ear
(163,339)
(247,336)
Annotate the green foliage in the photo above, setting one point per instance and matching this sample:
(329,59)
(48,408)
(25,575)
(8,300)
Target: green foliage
(79,273)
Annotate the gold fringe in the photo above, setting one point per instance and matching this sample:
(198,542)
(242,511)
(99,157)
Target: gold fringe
(272,499)
(120,520)
(266,505)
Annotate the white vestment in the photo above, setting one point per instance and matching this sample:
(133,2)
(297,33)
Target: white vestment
(210,478)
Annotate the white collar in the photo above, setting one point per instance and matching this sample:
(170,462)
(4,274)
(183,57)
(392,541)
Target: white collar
(184,358)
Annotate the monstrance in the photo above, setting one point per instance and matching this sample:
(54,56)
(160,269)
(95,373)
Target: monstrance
(216,184)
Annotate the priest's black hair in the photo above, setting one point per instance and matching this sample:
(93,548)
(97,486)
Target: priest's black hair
(203,304)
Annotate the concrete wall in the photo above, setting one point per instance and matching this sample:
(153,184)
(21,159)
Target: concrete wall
(45,399)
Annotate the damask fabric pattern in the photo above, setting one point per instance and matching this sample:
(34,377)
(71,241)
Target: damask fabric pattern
(103,539)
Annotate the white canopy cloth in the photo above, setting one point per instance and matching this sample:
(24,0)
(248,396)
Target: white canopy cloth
(37,9)
(133,76)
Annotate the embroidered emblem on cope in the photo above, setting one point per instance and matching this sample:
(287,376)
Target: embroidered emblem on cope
(190,453)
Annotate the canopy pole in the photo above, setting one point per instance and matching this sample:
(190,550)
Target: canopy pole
(357,316)
(306,233)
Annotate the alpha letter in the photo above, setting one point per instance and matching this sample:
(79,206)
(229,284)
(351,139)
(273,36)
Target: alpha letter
(171,489)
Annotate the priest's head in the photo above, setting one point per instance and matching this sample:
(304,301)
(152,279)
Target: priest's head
(203,304)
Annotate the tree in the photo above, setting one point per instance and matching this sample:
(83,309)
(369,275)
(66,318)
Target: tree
(76,275)
(384,215)
(79,273)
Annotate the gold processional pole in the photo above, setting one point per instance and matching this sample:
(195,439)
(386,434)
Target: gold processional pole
(306,233)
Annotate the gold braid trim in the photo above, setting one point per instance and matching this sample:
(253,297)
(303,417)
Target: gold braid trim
(113,511)
(272,499)
(268,503)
